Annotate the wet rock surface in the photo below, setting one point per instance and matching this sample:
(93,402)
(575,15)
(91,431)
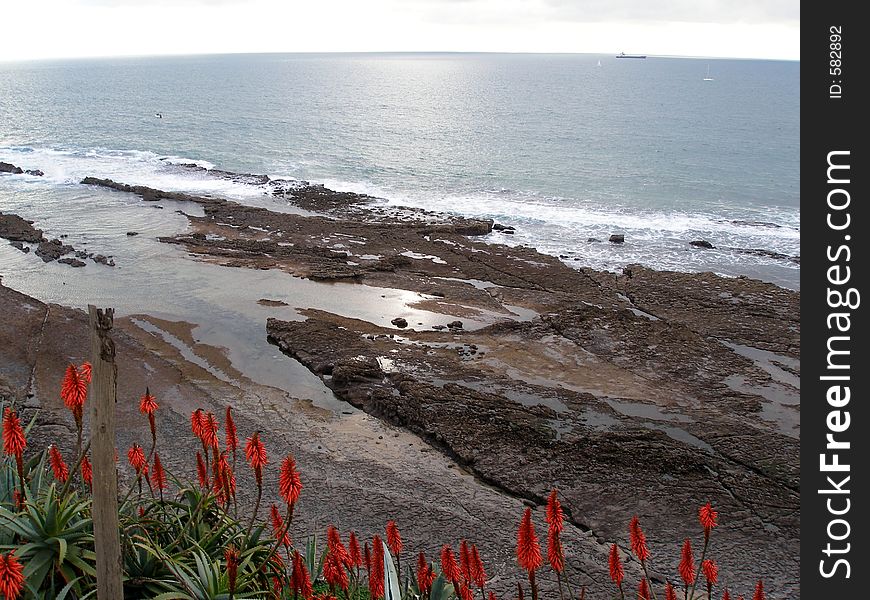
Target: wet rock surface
(643,392)
(21,231)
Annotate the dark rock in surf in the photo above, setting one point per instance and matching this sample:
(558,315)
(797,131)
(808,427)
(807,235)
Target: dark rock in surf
(399,322)
(702,244)
(73,262)
(617,238)
(34,172)
(10,168)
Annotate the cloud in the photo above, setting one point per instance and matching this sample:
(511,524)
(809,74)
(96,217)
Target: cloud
(693,11)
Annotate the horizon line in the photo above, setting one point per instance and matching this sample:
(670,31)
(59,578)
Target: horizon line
(382,52)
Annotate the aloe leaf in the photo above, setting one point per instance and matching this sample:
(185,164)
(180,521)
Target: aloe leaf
(391,587)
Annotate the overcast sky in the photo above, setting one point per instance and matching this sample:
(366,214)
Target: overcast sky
(78,28)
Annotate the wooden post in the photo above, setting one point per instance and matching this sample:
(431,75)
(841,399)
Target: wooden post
(105,493)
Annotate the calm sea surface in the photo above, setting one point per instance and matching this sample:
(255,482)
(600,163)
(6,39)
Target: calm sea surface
(561,148)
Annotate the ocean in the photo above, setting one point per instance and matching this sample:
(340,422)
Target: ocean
(566,151)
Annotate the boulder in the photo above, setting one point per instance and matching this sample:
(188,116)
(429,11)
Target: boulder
(399,322)
(73,262)
(617,238)
(34,172)
(701,244)
(10,168)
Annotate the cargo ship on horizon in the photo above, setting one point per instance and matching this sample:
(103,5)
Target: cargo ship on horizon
(624,55)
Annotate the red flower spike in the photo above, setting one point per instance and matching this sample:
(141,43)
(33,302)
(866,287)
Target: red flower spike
(711,572)
(255,452)
(197,422)
(334,572)
(555,515)
(74,391)
(707,516)
(478,574)
(210,427)
(201,471)
(231,555)
(85,371)
(492,596)
(159,475)
(465,592)
(232,435)
(147,403)
(465,560)
(394,540)
(87,472)
(278,531)
(422,574)
(448,564)
(11,576)
(616,572)
(759,591)
(289,483)
(528,548)
(136,457)
(58,466)
(353,549)
(368,559)
(14,441)
(300,580)
(643,590)
(726,595)
(336,547)
(638,540)
(555,554)
(376,580)
(687,564)
(670,592)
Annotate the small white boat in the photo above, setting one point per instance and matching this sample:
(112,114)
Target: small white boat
(708,78)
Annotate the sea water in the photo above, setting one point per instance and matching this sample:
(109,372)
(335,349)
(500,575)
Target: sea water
(566,151)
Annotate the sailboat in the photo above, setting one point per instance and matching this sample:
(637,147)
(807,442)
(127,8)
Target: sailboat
(708,78)
(599,63)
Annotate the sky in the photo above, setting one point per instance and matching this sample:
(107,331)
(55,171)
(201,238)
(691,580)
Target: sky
(709,28)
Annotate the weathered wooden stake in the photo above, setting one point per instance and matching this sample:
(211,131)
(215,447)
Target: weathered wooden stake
(105,494)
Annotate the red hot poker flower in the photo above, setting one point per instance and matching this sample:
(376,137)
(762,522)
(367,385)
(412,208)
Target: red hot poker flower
(85,371)
(708,517)
(14,441)
(147,403)
(159,473)
(353,549)
(394,540)
(231,555)
(136,456)
(376,580)
(197,423)
(210,427)
(334,572)
(638,540)
(555,554)
(290,483)
(448,564)
(232,435)
(87,472)
(616,572)
(300,580)
(465,560)
(423,570)
(255,452)
(670,592)
(58,466)
(201,471)
(726,595)
(278,530)
(336,547)
(711,572)
(759,591)
(528,548)
(687,564)
(11,576)
(643,590)
(492,596)
(478,574)
(555,515)
(74,392)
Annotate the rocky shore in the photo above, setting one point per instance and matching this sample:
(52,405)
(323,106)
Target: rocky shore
(642,392)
